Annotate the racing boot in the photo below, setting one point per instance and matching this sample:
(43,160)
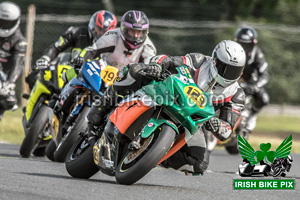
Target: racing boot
(91,132)
(100,109)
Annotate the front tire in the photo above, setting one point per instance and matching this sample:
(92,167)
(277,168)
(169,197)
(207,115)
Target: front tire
(71,136)
(39,152)
(130,173)
(37,126)
(50,150)
(80,161)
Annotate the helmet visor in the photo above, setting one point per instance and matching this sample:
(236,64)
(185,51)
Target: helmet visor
(207,82)
(248,47)
(134,36)
(227,71)
(7,24)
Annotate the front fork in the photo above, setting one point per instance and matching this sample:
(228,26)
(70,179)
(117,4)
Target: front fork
(75,111)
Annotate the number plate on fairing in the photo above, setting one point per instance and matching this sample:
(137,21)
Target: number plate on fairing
(196,95)
(109,74)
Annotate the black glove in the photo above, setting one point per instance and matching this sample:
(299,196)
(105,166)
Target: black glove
(153,70)
(213,124)
(78,62)
(42,63)
(251,89)
(7,89)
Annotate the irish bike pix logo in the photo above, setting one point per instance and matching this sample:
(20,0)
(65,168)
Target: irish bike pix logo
(265,162)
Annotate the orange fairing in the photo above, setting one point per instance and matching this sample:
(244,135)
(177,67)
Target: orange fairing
(126,113)
(180,142)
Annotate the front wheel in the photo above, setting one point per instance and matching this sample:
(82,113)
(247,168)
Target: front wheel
(71,136)
(37,128)
(80,161)
(50,150)
(137,163)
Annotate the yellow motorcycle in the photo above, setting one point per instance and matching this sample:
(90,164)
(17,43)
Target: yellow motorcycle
(35,119)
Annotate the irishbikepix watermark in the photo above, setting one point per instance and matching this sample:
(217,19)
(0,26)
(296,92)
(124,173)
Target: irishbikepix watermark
(193,96)
(263,184)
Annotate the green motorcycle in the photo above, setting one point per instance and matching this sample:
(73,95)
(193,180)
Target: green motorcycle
(144,129)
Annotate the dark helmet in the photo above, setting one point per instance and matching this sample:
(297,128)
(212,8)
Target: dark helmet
(9,18)
(289,159)
(102,19)
(247,37)
(136,20)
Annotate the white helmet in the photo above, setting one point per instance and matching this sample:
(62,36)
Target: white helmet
(229,59)
(9,18)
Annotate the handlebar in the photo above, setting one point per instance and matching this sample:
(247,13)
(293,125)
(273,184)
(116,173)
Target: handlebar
(165,74)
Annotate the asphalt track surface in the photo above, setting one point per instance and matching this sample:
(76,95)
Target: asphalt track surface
(39,178)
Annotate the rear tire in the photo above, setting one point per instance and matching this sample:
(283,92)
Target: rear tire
(72,136)
(37,126)
(80,161)
(128,175)
(232,150)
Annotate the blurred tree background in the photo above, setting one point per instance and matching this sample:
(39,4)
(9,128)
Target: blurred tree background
(184,26)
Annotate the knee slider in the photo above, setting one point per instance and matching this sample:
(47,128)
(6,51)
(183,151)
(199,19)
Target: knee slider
(200,166)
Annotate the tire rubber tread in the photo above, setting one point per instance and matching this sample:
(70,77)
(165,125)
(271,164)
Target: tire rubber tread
(149,160)
(35,129)
(80,125)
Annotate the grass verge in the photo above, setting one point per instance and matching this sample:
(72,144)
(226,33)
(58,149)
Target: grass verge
(278,123)
(11,129)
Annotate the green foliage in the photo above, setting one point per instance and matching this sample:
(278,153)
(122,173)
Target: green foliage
(288,12)
(282,53)
(174,41)
(66,7)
